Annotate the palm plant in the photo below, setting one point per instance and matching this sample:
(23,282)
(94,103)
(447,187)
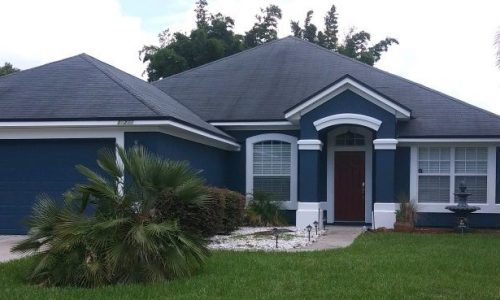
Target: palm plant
(263,211)
(112,228)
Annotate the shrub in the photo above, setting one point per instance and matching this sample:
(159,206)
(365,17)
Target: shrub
(125,237)
(263,211)
(407,212)
(225,211)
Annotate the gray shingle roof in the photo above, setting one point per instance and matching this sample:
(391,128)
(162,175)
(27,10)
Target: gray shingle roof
(83,88)
(263,82)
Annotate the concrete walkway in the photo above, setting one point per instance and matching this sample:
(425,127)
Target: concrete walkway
(334,238)
(6,243)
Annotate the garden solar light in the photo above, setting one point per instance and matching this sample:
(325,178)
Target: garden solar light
(276,234)
(316,226)
(309,228)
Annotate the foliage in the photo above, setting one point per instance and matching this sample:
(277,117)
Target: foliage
(228,209)
(263,211)
(8,68)
(214,38)
(110,230)
(355,44)
(376,266)
(222,212)
(407,211)
(265,29)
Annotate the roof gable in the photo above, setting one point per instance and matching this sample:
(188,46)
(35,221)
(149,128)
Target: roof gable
(347,83)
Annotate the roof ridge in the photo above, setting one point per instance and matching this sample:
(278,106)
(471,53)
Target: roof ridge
(222,59)
(448,97)
(127,88)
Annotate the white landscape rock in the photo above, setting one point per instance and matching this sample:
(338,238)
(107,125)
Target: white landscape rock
(248,238)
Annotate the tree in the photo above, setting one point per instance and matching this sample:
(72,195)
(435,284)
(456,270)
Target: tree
(265,29)
(213,38)
(7,69)
(355,45)
(110,230)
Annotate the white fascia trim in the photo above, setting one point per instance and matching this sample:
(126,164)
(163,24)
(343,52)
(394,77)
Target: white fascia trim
(260,125)
(352,119)
(310,145)
(340,87)
(449,140)
(194,134)
(385,144)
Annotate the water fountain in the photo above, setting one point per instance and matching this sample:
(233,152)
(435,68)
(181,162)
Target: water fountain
(462,210)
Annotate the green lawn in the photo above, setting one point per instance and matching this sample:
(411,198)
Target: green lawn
(378,265)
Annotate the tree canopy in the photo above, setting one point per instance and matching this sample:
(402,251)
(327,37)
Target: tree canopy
(214,38)
(7,69)
(356,44)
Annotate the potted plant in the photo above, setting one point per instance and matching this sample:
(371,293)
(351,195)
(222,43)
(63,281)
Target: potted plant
(406,216)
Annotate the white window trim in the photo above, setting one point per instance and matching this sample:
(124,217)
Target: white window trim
(292,203)
(489,207)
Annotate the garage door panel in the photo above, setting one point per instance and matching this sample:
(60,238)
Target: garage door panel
(29,168)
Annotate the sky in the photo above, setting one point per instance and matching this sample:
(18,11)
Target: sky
(446,45)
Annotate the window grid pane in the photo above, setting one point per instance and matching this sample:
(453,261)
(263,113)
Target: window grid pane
(272,169)
(433,160)
(470,160)
(476,185)
(350,139)
(434,189)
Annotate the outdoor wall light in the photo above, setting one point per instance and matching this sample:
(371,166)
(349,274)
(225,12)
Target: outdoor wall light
(316,226)
(309,228)
(276,234)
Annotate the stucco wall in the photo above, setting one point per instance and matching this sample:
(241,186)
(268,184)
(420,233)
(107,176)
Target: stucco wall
(212,161)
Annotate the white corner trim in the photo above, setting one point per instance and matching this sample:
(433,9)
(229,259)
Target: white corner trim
(310,145)
(385,144)
(341,86)
(384,214)
(292,203)
(351,119)
(307,213)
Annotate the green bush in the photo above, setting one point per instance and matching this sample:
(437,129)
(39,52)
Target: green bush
(126,236)
(225,211)
(263,211)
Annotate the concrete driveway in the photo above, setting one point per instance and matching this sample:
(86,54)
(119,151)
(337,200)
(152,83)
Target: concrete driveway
(6,243)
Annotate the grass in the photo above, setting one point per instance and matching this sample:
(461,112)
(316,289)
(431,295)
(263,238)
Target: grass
(376,266)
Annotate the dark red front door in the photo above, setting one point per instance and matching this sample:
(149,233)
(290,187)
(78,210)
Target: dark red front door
(349,186)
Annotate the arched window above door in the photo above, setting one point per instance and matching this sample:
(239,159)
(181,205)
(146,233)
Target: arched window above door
(350,139)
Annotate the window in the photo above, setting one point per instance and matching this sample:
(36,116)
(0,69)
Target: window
(272,166)
(471,167)
(434,174)
(443,168)
(271,169)
(350,139)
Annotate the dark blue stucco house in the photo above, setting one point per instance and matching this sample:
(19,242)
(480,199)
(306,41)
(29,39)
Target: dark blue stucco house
(327,136)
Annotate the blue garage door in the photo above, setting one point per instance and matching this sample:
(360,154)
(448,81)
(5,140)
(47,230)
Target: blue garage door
(31,167)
